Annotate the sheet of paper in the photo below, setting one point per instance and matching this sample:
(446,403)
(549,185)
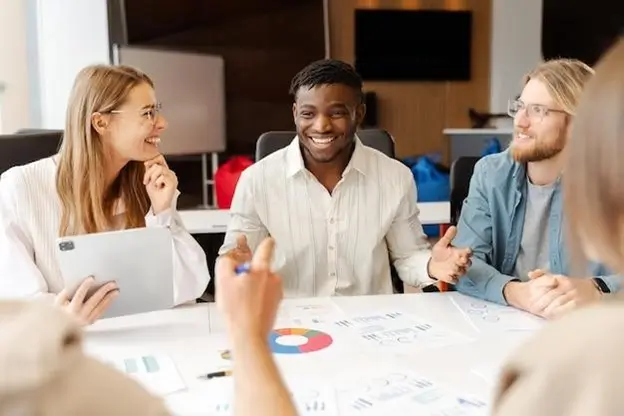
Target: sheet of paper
(488,316)
(489,373)
(216,398)
(314,313)
(407,393)
(156,372)
(397,330)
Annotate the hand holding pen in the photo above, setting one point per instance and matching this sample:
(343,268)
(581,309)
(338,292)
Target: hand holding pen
(248,294)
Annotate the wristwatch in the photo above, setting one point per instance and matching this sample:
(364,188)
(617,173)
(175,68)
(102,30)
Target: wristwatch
(601,285)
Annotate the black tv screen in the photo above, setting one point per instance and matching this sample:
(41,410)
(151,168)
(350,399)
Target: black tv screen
(413,45)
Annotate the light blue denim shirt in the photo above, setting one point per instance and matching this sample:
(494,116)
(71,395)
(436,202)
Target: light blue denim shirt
(491,224)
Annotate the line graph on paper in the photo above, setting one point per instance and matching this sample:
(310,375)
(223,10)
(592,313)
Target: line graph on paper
(408,393)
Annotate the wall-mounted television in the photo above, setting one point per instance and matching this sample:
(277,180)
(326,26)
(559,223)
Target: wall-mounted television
(413,45)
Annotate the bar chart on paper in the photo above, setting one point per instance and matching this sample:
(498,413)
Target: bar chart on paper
(407,393)
(144,364)
(397,330)
(156,372)
(216,397)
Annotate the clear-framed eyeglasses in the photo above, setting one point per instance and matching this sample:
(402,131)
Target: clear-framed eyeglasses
(535,112)
(149,113)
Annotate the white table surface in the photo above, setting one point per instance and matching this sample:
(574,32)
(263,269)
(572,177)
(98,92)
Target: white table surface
(194,335)
(212,221)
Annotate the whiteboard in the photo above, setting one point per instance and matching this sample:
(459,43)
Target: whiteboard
(191,88)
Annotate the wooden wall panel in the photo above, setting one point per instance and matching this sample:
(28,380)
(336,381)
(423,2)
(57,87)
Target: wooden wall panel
(417,112)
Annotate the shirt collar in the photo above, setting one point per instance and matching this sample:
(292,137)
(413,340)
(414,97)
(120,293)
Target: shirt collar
(294,159)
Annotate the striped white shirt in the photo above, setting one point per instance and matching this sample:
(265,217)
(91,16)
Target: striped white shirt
(339,243)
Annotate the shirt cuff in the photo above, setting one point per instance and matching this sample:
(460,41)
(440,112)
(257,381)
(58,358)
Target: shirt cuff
(494,288)
(416,267)
(163,219)
(614,282)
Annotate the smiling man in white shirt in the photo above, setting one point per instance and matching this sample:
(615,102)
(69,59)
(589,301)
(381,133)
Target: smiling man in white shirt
(339,211)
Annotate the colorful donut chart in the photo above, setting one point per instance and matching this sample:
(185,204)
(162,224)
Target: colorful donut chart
(316,341)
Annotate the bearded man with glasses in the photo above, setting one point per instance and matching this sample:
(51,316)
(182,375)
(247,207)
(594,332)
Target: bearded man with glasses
(512,218)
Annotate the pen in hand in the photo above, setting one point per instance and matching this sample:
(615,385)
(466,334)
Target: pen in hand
(243,268)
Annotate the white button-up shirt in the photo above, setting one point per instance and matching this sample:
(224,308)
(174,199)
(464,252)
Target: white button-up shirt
(30,214)
(339,243)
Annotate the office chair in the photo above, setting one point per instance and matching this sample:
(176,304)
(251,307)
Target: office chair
(271,141)
(22,148)
(378,139)
(461,173)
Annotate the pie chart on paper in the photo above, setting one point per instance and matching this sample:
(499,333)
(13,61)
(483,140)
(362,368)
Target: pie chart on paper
(298,340)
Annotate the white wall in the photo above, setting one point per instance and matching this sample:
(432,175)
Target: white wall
(516,47)
(70,34)
(14,102)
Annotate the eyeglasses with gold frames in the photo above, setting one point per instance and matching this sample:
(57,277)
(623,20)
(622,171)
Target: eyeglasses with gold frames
(149,112)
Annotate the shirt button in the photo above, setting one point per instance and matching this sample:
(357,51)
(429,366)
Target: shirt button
(332,274)
(331,221)
(331,247)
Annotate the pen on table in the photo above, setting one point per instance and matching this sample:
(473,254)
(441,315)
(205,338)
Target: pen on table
(223,373)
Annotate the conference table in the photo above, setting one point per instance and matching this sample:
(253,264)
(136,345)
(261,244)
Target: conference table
(425,353)
(215,221)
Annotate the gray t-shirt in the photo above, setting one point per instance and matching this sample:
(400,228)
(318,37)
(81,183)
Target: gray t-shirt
(533,253)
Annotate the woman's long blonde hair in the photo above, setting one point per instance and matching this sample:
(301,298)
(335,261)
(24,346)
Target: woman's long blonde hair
(87,204)
(594,174)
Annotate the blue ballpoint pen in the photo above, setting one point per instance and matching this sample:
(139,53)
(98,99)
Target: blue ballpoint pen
(243,268)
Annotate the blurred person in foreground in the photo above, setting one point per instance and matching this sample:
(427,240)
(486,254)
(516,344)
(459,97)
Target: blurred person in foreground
(45,371)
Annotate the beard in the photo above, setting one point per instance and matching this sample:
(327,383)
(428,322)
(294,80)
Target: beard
(538,150)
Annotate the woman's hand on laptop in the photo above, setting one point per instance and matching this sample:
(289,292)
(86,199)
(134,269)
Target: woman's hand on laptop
(249,300)
(161,184)
(88,310)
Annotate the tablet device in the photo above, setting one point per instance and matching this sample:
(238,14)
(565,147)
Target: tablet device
(140,260)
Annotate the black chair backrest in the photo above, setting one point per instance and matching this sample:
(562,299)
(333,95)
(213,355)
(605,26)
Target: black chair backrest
(376,138)
(461,172)
(20,149)
(274,140)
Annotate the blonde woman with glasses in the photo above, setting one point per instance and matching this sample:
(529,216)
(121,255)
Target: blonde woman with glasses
(108,175)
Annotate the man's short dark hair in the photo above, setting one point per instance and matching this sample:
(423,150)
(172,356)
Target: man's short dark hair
(327,72)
